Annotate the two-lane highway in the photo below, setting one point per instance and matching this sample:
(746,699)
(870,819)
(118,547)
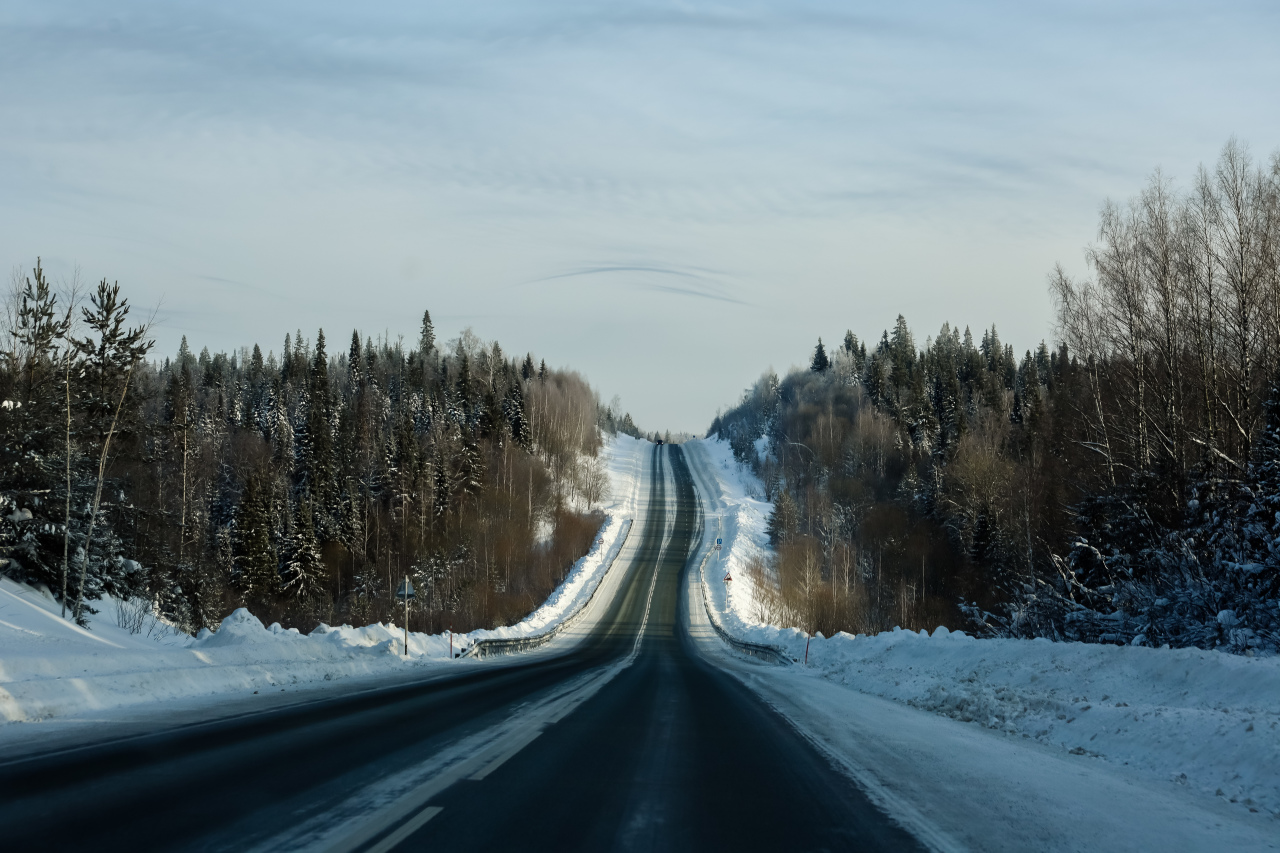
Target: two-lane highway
(628,740)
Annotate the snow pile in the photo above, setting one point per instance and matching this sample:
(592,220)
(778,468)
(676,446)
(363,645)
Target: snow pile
(1201,718)
(51,667)
(1205,719)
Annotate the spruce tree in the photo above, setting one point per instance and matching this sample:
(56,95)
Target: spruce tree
(784,519)
(820,361)
(427,341)
(286,358)
(304,572)
(355,362)
(320,462)
(257,565)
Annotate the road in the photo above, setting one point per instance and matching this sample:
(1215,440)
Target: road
(628,740)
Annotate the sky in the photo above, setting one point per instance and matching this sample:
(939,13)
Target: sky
(669,197)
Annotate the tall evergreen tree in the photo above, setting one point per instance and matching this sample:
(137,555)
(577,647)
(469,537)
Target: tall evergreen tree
(304,572)
(320,469)
(427,340)
(256,561)
(820,361)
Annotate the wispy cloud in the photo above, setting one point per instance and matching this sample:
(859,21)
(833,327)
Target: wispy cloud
(698,283)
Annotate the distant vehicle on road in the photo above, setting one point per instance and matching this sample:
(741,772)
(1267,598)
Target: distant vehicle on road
(659,442)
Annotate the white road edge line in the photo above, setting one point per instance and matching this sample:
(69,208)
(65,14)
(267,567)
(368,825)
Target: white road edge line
(391,841)
(512,749)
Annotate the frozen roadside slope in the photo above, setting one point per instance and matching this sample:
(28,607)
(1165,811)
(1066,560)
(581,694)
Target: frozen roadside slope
(1190,719)
(625,460)
(50,668)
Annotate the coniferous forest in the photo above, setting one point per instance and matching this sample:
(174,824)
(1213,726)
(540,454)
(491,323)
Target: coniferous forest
(303,485)
(1121,485)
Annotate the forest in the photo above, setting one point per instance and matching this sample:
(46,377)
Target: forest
(1119,486)
(304,486)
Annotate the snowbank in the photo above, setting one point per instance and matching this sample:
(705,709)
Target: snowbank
(50,667)
(1203,719)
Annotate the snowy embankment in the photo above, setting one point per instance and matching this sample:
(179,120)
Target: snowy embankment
(1207,720)
(49,667)
(626,460)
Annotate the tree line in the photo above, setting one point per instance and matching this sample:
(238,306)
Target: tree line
(1122,486)
(304,486)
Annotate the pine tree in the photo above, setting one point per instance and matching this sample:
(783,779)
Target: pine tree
(33,445)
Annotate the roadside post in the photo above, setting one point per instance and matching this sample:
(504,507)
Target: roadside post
(405,592)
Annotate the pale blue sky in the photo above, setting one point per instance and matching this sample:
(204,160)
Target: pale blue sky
(669,197)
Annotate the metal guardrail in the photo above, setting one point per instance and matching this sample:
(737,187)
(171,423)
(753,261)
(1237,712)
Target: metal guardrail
(509,645)
(772,654)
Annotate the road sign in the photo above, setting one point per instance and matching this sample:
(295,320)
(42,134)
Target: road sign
(718,547)
(719,541)
(404,593)
(727,579)
(406,590)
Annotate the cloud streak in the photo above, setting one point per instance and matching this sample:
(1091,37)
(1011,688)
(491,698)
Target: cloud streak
(699,284)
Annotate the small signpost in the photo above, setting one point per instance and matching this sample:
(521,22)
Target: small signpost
(405,592)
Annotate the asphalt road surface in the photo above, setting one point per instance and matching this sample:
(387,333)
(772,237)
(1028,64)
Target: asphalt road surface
(628,741)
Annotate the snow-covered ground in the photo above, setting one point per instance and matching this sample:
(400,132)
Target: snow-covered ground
(51,668)
(1193,735)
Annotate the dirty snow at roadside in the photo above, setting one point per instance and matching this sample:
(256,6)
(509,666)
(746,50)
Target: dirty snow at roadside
(1201,719)
(49,667)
